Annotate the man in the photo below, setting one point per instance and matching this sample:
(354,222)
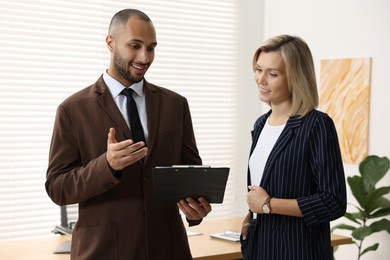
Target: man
(95,162)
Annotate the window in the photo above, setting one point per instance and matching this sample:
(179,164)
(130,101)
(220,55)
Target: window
(51,48)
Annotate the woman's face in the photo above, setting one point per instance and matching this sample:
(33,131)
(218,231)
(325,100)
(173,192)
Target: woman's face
(271,78)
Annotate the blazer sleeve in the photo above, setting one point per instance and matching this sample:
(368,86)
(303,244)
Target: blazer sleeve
(68,179)
(329,201)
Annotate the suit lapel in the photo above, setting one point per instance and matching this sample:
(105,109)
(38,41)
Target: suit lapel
(283,140)
(256,132)
(153,114)
(110,108)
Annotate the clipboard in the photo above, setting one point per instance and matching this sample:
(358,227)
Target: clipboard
(172,184)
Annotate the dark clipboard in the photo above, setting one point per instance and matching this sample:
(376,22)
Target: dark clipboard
(172,184)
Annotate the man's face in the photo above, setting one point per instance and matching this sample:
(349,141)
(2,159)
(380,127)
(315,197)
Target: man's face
(132,51)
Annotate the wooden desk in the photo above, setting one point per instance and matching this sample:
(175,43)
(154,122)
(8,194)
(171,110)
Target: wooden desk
(203,247)
(206,248)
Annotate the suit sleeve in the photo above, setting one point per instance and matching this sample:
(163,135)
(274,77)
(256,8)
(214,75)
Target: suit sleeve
(68,179)
(329,201)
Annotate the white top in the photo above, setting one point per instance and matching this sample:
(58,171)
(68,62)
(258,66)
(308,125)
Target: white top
(267,139)
(120,100)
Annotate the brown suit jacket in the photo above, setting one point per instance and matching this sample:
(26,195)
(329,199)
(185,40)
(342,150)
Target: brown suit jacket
(118,218)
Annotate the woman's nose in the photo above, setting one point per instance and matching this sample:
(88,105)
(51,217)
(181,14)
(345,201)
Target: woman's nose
(260,78)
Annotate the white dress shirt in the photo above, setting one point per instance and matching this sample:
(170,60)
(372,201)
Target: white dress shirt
(267,139)
(116,87)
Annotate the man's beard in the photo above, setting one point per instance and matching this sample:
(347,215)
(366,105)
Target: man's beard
(120,66)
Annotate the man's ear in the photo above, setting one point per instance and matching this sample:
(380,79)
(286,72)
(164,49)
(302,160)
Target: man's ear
(110,43)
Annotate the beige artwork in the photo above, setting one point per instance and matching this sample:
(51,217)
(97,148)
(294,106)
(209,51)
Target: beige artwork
(344,95)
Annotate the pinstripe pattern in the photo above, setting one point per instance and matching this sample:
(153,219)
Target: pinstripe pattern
(304,164)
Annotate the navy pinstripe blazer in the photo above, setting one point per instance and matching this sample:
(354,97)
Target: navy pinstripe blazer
(305,164)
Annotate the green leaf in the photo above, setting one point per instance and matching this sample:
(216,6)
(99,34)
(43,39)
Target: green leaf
(356,185)
(372,169)
(356,207)
(361,233)
(374,200)
(344,226)
(373,247)
(380,213)
(381,225)
(354,217)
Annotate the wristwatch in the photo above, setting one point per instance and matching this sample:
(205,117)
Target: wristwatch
(267,206)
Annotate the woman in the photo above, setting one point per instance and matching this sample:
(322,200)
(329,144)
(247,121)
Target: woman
(295,174)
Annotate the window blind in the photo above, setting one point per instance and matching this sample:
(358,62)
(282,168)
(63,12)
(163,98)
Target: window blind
(50,49)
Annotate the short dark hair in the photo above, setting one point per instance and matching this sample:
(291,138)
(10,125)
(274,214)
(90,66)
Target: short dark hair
(123,16)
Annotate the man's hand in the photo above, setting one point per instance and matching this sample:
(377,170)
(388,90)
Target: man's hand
(193,209)
(121,154)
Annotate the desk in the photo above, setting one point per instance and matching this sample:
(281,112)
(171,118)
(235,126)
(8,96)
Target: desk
(206,248)
(203,247)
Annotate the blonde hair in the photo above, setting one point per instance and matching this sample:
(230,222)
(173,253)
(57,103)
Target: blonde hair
(299,68)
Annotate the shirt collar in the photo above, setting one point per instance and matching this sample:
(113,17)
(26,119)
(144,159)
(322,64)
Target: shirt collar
(116,87)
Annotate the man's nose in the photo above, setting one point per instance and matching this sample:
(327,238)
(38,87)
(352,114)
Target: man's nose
(143,56)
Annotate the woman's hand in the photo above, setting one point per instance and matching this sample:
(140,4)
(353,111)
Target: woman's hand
(245,226)
(255,198)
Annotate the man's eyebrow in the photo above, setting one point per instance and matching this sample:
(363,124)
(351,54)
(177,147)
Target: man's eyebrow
(141,41)
(136,40)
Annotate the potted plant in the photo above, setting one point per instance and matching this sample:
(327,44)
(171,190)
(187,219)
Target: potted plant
(373,207)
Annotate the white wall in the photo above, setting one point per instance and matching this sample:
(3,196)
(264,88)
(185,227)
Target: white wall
(250,33)
(333,29)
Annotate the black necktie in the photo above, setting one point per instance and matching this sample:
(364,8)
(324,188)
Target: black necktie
(135,122)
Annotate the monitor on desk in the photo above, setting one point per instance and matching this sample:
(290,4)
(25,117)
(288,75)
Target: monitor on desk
(69,215)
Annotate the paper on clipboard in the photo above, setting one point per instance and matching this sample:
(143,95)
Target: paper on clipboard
(172,184)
